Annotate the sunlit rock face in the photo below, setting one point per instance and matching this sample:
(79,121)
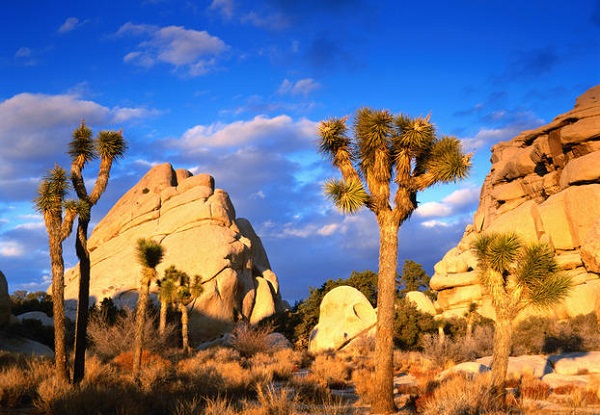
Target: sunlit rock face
(544,184)
(198,227)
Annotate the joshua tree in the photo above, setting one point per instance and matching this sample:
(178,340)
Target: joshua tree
(149,255)
(109,146)
(51,202)
(517,276)
(177,287)
(167,295)
(189,289)
(387,149)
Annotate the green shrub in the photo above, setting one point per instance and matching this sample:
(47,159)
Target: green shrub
(410,324)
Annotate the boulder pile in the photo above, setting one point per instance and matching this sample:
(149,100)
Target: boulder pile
(198,227)
(544,184)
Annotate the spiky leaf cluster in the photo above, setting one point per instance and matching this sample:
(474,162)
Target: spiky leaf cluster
(81,148)
(388,148)
(52,191)
(149,253)
(111,144)
(517,274)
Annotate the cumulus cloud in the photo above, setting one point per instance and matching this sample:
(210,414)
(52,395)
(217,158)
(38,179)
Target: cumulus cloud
(195,51)
(11,249)
(301,87)
(450,205)
(280,131)
(35,130)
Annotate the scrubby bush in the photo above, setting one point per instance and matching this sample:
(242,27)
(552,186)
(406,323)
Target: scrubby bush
(249,340)
(410,324)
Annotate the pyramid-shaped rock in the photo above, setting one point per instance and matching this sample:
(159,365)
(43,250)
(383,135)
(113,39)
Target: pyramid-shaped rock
(197,226)
(544,184)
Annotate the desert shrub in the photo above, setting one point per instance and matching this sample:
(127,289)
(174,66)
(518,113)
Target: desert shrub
(16,387)
(461,394)
(531,387)
(331,369)
(249,340)
(458,349)
(364,385)
(272,401)
(410,324)
(309,389)
(279,365)
(109,340)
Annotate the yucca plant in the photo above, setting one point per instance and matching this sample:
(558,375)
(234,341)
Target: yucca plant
(149,254)
(387,150)
(108,146)
(517,275)
(59,215)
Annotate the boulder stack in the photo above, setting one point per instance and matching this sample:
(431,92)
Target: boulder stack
(198,227)
(544,184)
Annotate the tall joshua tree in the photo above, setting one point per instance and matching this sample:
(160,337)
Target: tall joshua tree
(149,255)
(387,149)
(517,276)
(51,203)
(108,146)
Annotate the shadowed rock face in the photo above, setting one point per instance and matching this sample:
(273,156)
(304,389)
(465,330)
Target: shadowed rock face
(544,184)
(4,301)
(198,228)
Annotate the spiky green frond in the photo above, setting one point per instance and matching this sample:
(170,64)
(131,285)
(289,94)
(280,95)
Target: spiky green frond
(111,144)
(497,251)
(413,134)
(372,130)
(445,161)
(334,137)
(81,148)
(52,190)
(547,292)
(348,196)
(149,253)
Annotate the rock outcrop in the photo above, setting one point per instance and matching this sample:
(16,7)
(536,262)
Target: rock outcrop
(544,184)
(345,315)
(4,301)
(197,226)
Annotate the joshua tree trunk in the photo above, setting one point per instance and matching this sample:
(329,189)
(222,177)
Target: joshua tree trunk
(184,327)
(140,319)
(384,337)
(83,301)
(162,322)
(501,352)
(58,303)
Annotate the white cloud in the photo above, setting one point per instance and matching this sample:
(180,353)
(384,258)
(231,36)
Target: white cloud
(435,224)
(11,249)
(449,205)
(23,52)
(69,25)
(175,45)
(301,87)
(260,130)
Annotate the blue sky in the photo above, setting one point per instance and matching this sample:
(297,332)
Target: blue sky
(236,89)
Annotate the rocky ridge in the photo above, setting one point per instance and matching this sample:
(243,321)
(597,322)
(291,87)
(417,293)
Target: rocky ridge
(545,185)
(198,227)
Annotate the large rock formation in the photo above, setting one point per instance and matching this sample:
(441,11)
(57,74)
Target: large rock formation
(197,226)
(4,301)
(544,184)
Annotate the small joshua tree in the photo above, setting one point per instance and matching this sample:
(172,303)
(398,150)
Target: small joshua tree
(517,276)
(149,255)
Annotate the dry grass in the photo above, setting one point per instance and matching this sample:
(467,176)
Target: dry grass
(460,394)
(332,369)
